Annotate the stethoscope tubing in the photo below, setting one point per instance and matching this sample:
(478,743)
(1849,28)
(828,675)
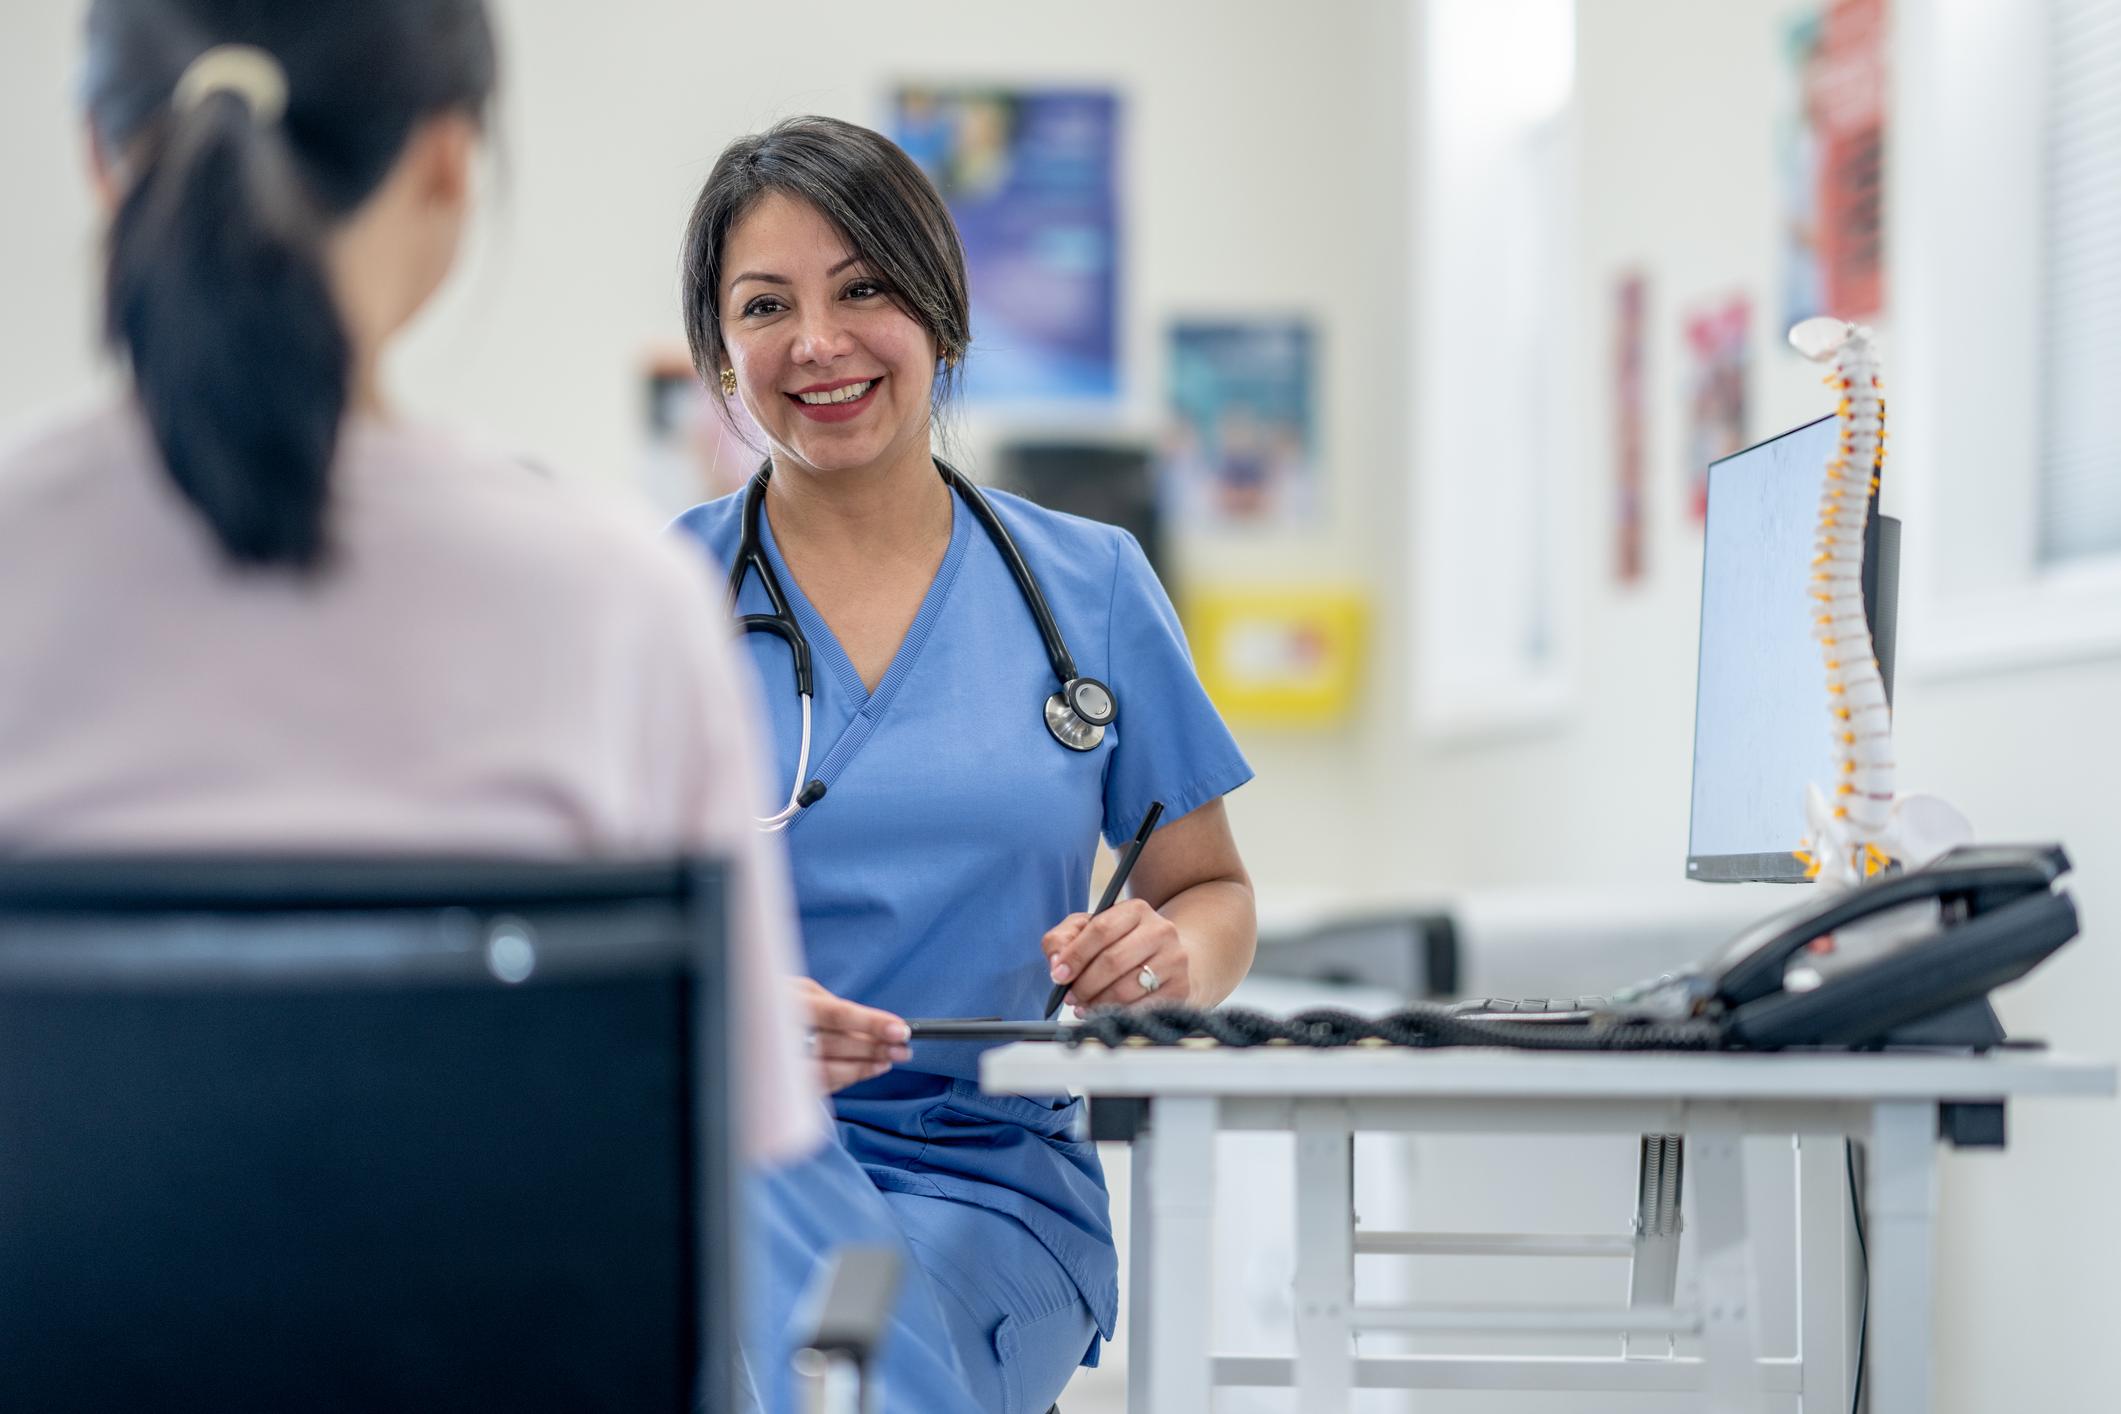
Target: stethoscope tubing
(1034,598)
(782,818)
(751,558)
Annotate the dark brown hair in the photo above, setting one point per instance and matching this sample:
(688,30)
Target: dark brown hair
(877,198)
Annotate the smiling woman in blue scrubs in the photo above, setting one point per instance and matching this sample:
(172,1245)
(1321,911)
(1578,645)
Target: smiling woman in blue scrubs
(945,866)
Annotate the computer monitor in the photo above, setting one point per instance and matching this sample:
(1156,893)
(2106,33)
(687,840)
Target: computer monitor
(1760,719)
(1111,482)
(355,1137)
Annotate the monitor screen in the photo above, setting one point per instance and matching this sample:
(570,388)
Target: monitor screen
(1101,481)
(1760,721)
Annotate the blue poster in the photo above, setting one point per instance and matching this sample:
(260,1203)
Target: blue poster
(1239,444)
(1032,179)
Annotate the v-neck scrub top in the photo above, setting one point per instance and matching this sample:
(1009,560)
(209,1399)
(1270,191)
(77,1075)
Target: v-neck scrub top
(955,831)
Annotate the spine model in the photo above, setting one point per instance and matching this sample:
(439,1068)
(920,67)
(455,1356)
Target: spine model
(1854,827)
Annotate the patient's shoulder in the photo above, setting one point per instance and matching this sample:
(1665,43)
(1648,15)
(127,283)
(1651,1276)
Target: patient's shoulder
(57,457)
(506,518)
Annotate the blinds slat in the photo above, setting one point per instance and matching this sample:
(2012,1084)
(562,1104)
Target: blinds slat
(2080,443)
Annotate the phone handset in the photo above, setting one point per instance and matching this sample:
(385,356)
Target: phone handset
(1996,915)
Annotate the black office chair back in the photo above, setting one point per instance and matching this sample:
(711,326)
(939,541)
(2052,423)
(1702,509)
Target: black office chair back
(347,1135)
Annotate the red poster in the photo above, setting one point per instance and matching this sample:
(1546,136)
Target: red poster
(1834,163)
(1629,415)
(1717,347)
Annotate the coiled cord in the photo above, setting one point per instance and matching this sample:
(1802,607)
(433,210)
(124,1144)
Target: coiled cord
(1414,1026)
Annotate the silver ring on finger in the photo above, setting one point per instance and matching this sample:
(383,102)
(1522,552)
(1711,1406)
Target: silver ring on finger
(1147,979)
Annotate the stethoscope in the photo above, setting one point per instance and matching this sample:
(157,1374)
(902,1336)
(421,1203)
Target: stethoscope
(1077,715)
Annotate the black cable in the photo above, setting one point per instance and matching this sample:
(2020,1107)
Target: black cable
(1414,1026)
(1863,1255)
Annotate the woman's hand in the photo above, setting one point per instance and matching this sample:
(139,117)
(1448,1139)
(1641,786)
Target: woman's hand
(1101,958)
(850,1042)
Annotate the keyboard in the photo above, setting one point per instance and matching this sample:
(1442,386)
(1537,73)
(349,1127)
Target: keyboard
(1532,1007)
(1669,996)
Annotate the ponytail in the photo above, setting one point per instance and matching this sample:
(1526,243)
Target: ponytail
(250,133)
(217,294)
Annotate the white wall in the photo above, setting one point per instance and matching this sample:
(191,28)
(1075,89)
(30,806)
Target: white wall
(48,237)
(1268,159)
(1677,101)
(1263,160)
(1264,154)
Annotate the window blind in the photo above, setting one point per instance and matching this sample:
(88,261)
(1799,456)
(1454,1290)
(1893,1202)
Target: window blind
(2080,347)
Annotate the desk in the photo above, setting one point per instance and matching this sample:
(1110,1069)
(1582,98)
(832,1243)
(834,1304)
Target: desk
(1324,1097)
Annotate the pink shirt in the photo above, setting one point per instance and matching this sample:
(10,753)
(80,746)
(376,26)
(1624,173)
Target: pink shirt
(493,664)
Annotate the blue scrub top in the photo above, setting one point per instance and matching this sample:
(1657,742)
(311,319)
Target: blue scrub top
(955,831)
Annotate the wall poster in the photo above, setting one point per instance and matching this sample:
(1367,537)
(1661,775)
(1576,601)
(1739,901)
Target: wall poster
(1031,176)
(1240,436)
(691,453)
(1630,416)
(1717,359)
(1833,162)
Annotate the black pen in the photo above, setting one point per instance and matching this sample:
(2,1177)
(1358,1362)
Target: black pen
(1119,880)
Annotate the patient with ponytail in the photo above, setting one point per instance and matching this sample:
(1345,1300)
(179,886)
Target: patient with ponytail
(248,607)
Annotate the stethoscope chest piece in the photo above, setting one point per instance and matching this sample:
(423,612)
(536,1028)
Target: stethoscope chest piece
(1078,714)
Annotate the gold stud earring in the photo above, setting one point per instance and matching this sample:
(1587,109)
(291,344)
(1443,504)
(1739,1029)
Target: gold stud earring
(729,382)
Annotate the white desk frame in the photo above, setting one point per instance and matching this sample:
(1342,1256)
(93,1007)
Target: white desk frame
(1324,1097)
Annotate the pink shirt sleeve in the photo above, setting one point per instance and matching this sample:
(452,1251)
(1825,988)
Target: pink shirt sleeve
(712,764)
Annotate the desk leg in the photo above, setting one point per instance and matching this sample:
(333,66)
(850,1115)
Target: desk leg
(1325,1257)
(1825,1307)
(1899,1224)
(1168,1327)
(1140,1294)
(1730,1292)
